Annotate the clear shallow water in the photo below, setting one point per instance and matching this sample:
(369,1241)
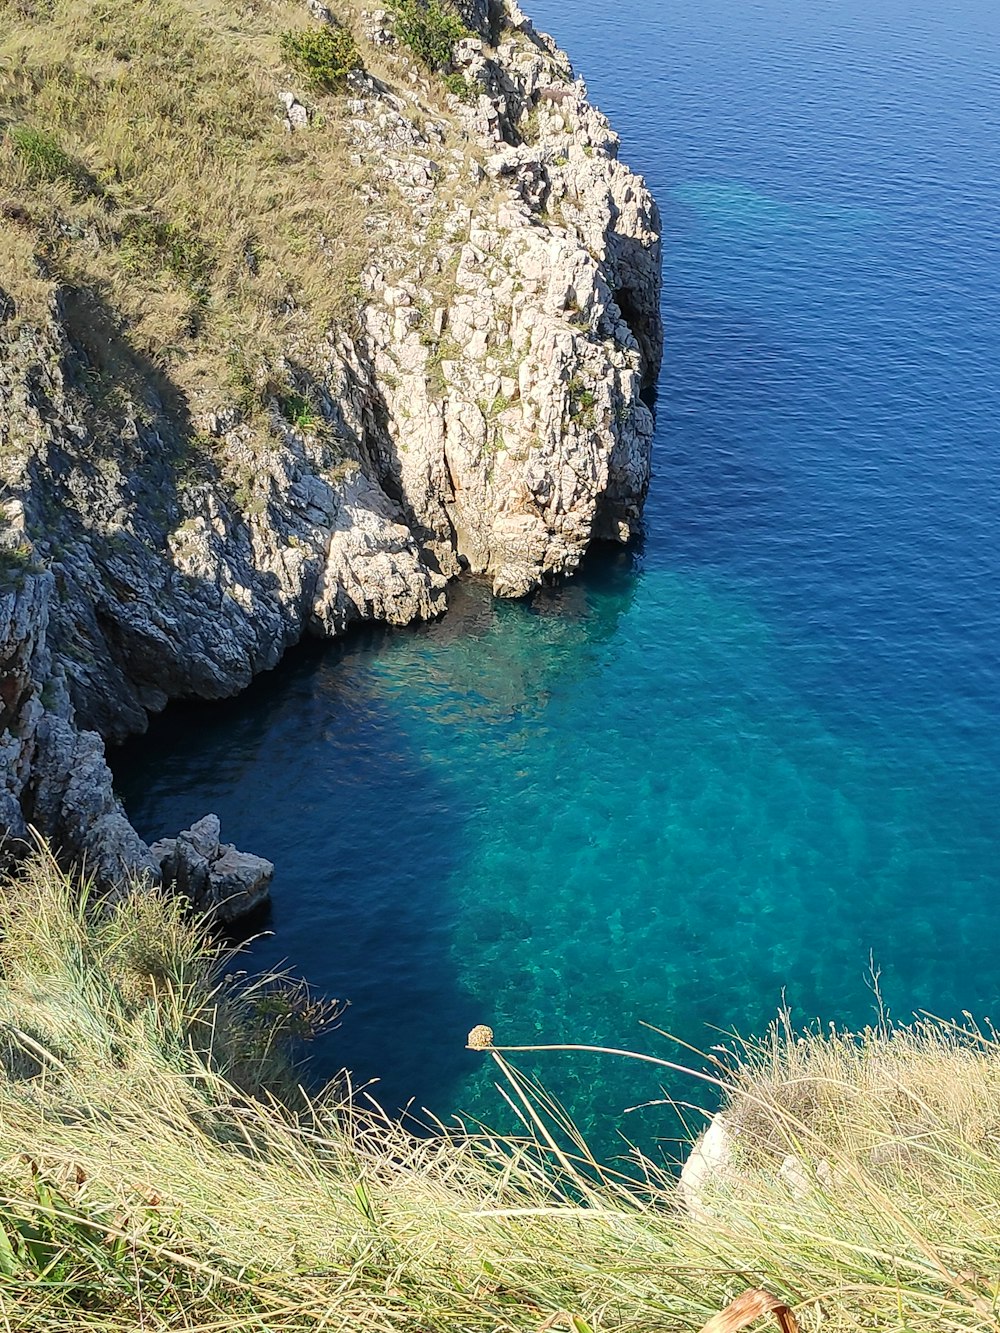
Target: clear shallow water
(737,760)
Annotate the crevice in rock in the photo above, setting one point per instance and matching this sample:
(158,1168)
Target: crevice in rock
(644,327)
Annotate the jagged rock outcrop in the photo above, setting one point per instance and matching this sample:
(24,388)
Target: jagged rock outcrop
(512,389)
(484,415)
(213,875)
(53,774)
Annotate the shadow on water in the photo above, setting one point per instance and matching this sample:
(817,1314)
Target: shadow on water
(308,769)
(319,767)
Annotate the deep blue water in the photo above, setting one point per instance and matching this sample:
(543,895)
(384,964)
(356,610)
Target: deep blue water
(737,760)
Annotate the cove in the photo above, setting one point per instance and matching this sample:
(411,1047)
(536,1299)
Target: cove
(738,760)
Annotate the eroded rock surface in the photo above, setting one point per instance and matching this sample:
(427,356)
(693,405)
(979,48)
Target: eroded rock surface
(213,875)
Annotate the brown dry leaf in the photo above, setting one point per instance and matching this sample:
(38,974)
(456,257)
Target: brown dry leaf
(754,1303)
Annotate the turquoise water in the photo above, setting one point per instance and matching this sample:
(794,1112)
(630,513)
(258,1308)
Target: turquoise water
(740,759)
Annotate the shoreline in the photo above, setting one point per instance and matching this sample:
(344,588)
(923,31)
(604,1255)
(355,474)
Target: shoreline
(380,474)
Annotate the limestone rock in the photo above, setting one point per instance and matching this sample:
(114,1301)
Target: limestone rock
(202,838)
(709,1168)
(296,115)
(478,15)
(15,830)
(378,28)
(238,883)
(215,876)
(484,414)
(373,568)
(712,1169)
(793,1172)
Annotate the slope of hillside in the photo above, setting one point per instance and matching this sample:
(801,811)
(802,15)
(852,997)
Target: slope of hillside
(160,1170)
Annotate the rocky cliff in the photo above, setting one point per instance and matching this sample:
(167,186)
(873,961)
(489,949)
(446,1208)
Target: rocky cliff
(480,412)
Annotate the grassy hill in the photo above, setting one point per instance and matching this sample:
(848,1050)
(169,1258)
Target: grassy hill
(145,161)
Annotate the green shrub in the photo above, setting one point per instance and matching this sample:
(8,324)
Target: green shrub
(15,562)
(298,410)
(462,88)
(324,55)
(45,159)
(430,28)
(582,403)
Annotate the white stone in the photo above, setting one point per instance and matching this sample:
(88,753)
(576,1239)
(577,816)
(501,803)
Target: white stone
(709,1167)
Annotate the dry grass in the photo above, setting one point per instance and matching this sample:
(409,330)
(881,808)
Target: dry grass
(878,1096)
(153,1175)
(166,181)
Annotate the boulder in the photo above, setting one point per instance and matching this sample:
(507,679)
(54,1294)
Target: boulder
(709,1167)
(238,883)
(215,876)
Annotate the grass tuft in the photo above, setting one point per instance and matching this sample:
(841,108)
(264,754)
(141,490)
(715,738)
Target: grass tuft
(151,246)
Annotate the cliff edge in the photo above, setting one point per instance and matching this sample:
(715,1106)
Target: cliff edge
(373,324)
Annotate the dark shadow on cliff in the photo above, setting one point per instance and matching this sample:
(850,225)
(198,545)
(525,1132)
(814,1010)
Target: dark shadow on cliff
(103,504)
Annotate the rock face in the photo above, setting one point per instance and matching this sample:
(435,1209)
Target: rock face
(708,1169)
(213,875)
(484,415)
(52,774)
(513,401)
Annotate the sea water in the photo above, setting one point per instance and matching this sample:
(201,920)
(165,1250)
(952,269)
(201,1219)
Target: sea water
(732,767)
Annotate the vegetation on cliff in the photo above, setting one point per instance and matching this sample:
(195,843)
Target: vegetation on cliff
(161,1170)
(144,161)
